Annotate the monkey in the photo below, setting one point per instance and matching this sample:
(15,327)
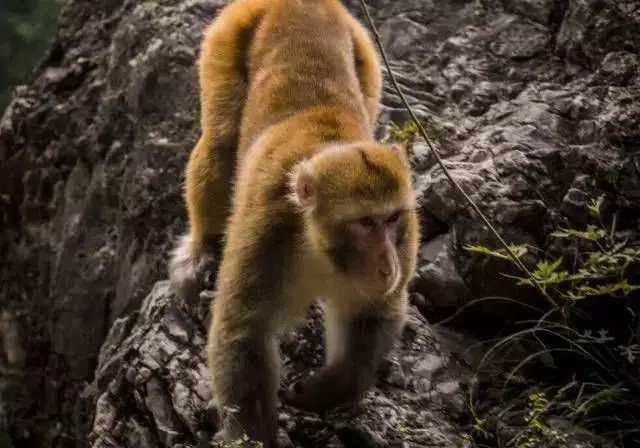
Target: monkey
(307,204)
(223,72)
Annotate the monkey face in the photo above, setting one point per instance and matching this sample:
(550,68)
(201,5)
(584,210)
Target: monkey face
(357,199)
(365,250)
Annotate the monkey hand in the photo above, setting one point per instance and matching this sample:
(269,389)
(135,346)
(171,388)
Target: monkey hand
(333,386)
(192,269)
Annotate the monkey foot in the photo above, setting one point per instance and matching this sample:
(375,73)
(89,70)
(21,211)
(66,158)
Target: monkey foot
(191,270)
(223,439)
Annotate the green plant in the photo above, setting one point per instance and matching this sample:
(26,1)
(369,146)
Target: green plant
(26,29)
(610,358)
(537,432)
(601,272)
(404,133)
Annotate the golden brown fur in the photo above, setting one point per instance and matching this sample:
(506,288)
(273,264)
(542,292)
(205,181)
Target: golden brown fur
(290,91)
(223,74)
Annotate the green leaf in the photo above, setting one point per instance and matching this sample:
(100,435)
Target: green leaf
(582,291)
(594,206)
(592,233)
(518,251)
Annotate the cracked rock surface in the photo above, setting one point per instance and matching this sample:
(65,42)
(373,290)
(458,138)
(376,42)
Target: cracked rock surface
(533,104)
(152,365)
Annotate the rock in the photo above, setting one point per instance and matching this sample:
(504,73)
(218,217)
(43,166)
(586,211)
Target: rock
(166,378)
(518,39)
(533,106)
(591,29)
(5,438)
(541,11)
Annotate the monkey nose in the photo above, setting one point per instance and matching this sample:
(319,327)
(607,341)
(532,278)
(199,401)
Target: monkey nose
(385,272)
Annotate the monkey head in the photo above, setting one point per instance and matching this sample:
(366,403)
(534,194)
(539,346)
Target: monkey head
(356,200)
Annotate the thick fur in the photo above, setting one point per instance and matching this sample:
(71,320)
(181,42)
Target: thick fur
(224,73)
(290,94)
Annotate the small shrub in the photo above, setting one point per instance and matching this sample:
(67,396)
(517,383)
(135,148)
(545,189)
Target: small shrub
(590,363)
(404,133)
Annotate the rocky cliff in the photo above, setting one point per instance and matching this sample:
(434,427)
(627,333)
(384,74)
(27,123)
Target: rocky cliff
(533,103)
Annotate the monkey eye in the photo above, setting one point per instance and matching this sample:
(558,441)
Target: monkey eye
(366,221)
(394,216)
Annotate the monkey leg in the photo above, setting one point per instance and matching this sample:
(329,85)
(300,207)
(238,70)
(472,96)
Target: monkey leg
(368,69)
(355,347)
(193,261)
(246,374)
(211,165)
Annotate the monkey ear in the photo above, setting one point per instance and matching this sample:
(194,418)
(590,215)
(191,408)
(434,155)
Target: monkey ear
(303,185)
(399,148)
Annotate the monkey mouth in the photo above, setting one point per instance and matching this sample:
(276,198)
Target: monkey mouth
(363,289)
(397,278)
(367,289)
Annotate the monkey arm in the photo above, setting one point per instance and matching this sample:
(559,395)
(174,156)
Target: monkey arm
(245,369)
(351,369)
(242,350)
(245,372)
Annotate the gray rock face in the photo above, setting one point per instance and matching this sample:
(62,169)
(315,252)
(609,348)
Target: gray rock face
(153,364)
(534,105)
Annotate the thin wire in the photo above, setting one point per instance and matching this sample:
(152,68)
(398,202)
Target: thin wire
(510,252)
